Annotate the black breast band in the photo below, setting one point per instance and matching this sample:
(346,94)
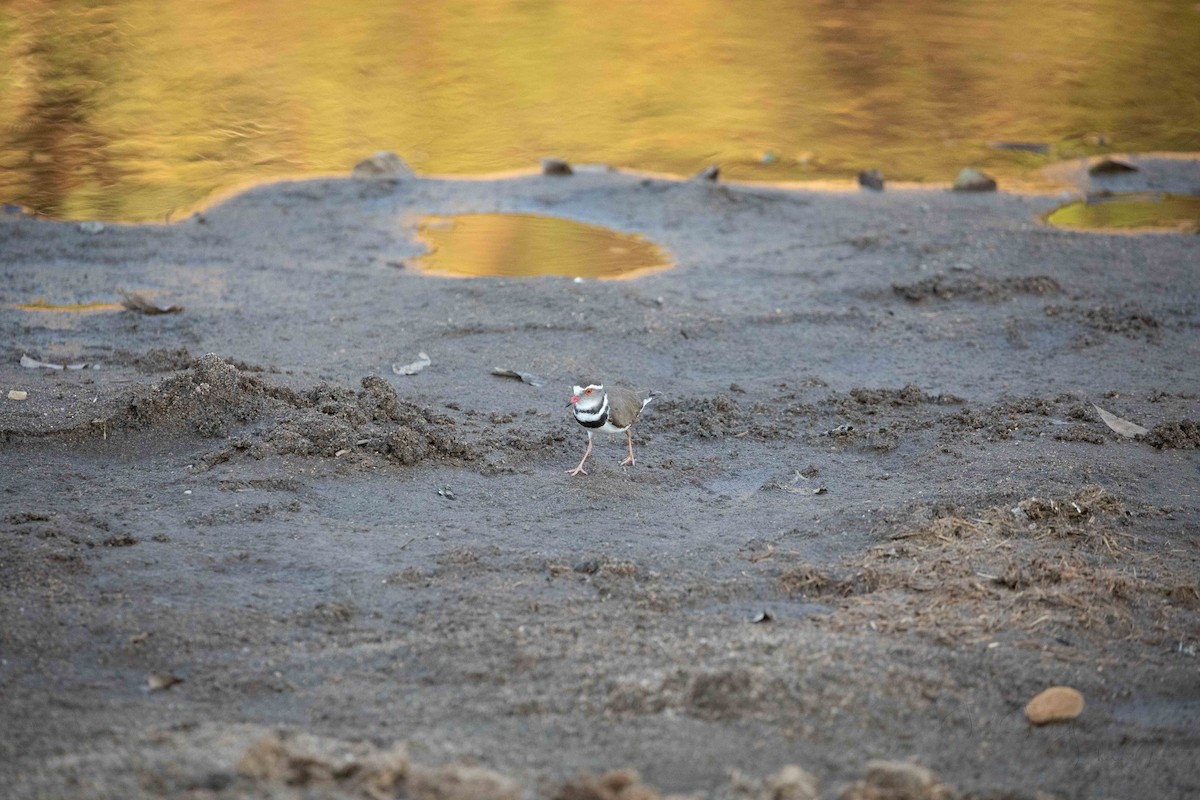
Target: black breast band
(594,423)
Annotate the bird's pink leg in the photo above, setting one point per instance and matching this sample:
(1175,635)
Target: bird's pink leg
(629,462)
(586,453)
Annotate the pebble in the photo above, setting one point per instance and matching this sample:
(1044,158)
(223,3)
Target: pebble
(1056,704)
(871,179)
(91,226)
(384,164)
(17,394)
(556,166)
(1111,166)
(972,180)
(710,173)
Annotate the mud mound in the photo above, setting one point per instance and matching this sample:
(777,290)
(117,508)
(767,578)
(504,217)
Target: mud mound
(975,288)
(1181,435)
(215,399)
(210,399)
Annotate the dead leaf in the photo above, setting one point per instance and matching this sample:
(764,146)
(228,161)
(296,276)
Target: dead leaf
(526,377)
(159,681)
(1122,426)
(412,369)
(132,301)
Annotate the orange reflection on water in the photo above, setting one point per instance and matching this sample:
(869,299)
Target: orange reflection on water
(41,304)
(138,109)
(474,245)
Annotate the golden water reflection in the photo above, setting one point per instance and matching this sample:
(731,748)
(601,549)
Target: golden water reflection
(41,304)
(1131,212)
(475,245)
(139,109)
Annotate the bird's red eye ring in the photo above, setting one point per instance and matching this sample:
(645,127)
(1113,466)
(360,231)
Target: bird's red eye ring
(587,391)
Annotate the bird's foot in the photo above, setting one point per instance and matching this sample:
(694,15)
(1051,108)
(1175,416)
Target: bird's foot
(628,462)
(577,471)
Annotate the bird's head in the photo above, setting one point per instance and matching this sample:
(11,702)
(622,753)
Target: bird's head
(587,397)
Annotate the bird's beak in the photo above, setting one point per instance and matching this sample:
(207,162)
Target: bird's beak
(574,399)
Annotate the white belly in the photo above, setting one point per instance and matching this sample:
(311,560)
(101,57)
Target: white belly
(608,427)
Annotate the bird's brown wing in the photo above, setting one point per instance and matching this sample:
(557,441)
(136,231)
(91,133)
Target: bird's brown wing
(624,406)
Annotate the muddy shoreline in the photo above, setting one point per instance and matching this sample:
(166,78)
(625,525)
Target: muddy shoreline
(874,510)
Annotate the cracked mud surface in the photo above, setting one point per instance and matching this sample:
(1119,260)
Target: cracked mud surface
(874,510)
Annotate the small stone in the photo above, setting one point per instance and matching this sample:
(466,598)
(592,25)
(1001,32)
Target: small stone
(792,783)
(1111,166)
(972,180)
(384,164)
(556,166)
(1056,704)
(159,681)
(91,226)
(17,394)
(710,173)
(871,179)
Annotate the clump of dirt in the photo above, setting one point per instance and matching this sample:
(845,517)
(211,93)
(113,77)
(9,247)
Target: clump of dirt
(910,395)
(1181,435)
(1129,321)
(1003,420)
(1078,433)
(897,780)
(334,767)
(706,417)
(622,784)
(317,766)
(975,288)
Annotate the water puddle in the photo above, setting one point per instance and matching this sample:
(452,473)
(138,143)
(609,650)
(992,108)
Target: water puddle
(41,304)
(513,245)
(1130,213)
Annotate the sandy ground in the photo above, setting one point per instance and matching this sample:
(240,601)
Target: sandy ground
(874,510)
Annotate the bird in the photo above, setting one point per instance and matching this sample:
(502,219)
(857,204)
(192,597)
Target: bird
(611,410)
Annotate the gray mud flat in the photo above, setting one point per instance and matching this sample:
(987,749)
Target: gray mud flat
(874,511)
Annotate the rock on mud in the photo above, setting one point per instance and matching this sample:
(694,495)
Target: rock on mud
(972,180)
(1056,704)
(871,179)
(556,166)
(383,164)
